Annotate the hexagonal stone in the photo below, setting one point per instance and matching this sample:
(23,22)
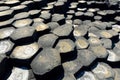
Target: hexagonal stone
(86,57)
(6,12)
(117,74)
(100,25)
(12,2)
(117,18)
(116,28)
(65,45)
(113,57)
(63,30)
(57,17)
(72,66)
(103,71)
(22,23)
(40,26)
(6,32)
(3,8)
(25,51)
(19,8)
(21,15)
(87,75)
(105,34)
(22,33)
(34,12)
(47,40)
(99,51)
(89,14)
(113,32)
(80,31)
(94,41)
(45,15)
(5,46)
(81,43)
(77,22)
(53,25)
(69,76)
(19,74)
(36,20)
(107,43)
(6,22)
(45,61)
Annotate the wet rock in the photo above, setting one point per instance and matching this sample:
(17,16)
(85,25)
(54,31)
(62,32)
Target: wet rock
(86,57)
(45,61)
(5,46)
(103,71)
(63,30)
(81,43)
(25,51)
(65,45)
(6,32)
(47,40)
(22,23)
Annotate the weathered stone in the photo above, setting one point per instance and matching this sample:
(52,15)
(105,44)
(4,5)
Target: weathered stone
(6,32)
(107,43)
(47,40)
(87,75)
(117,18)
(45,61)
(116,28)
(86,57)
(22,23)
(22,33)
(2,8)
(81,43)
(45,15)
(6,12)
(94,41)
(69,76)
(5,46)
(25,51)
(36,20)
(63,30)
(72,66)
(103,71)
(21,15)
(117,74)
(99,51)
(57,17)
(53,25)
(65,45)
(105,34)
(6,22)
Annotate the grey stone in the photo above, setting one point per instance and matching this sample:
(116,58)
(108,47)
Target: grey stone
(45,61)
(53,25)
(21,15)
(22,33)
(63,30)
(107,43)
(85,57)
(65,45)
(117,74)
(69,76)
(47,40)
(57,17)
(94,41)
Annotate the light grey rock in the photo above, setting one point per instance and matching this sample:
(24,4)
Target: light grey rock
(99,51)
(6,32)
(45,61)
(81,43)
(57,17)
(5,46)
(87,75)
(105,34)
(22,33)
(45,15)
(116,28)
(63,30)
(117,74)
(25,51)
(69,76)
(72,66)
(47,40)
(107,43)
(21,15)
(53,25)
(6,22)
(6,12)
(94,41)
(86,57)
(3,8)
(103,71)
(65,45)
(22,23)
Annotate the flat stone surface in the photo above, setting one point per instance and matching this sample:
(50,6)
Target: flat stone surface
(107,43)
(47,40)
(6,12)
(117,74)
(5,46)
(21,15)
(69,76)
(81,43)
(99,51)
(25,51)
(22,33)
(103,71)
(63,30)
(94,41)
(65,45)
(45,61)
(6,32)
(86,57)
(22,23)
